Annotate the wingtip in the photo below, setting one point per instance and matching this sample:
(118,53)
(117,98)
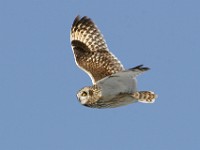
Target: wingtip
(78,19)
(140,67)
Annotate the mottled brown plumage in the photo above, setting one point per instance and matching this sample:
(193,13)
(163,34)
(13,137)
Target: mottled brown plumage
(90,50)
(145,96)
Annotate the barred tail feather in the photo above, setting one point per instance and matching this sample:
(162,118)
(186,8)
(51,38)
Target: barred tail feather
(145,96)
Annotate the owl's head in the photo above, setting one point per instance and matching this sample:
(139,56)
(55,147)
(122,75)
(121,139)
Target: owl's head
(89,95)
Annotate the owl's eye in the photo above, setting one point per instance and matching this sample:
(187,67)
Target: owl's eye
(84,93)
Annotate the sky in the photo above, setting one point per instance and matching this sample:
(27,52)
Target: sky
(39,78)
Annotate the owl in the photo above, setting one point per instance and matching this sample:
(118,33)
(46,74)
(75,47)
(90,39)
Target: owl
(113,86)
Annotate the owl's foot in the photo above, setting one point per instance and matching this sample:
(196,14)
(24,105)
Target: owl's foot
(145,96)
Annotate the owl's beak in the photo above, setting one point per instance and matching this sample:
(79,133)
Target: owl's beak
(82,100)
(78,97)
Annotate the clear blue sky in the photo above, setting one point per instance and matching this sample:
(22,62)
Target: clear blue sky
(39,78)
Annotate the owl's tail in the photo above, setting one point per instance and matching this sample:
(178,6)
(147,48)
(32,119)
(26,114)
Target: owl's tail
(145,96)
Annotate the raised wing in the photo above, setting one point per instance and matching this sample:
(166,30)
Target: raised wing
(90,50)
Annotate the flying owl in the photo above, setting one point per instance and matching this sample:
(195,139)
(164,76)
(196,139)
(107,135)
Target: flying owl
(113,86)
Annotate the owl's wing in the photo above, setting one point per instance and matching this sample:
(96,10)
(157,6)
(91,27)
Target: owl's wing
(132,72)
(90,50)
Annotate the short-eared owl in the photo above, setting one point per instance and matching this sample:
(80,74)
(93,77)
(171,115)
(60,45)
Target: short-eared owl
(113,86)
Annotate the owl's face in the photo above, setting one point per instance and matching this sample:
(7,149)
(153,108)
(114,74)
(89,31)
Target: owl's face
(84,95)
(88,95)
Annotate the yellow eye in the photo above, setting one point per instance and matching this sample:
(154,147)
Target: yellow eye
(84,93)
